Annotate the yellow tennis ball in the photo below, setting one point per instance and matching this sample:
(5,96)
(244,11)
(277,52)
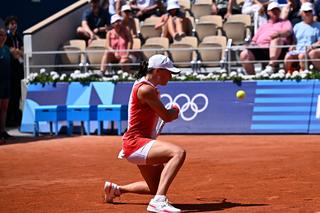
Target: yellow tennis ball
(241,94)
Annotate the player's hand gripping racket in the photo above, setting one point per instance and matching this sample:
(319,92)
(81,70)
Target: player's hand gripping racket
(161,122)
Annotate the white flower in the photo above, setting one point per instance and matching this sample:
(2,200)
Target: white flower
(125,75)
(233,74)
(42,70)
(119,72)
(115,78)
(52,73)
(288,75)
(224,75)
(282,71)
(311,67)
(183,78)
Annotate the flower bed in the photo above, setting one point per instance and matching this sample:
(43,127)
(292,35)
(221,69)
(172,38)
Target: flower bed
(44,77)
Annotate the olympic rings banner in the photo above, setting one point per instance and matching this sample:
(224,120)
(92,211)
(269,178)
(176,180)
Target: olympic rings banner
(205,107)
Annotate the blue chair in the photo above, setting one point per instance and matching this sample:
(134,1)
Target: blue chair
(112,112)
(51,114)
(83,113)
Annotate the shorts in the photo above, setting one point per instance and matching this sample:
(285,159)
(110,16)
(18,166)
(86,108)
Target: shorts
(139,157)
(262,54)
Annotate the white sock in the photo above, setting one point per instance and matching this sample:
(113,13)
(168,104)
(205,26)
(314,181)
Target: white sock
(160,198)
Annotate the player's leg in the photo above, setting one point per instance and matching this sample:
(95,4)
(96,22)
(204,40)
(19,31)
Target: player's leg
(173,156)
(151,175)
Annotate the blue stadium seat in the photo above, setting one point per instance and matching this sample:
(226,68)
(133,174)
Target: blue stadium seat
(112,112)
(51,114)
(83,113)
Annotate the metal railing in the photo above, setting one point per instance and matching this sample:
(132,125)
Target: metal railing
(80,60)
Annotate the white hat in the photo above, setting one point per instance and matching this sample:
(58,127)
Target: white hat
(115,18)
(125,7)
(162,62)
(307,6)
(173,5)
(273,5)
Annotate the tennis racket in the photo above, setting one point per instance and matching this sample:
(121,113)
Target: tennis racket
(159,126)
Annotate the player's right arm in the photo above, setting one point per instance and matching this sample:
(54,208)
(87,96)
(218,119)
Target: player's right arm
(149,95)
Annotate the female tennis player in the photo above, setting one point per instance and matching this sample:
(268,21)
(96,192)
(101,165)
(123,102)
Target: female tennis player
(158,161)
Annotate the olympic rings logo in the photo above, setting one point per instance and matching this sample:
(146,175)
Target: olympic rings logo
(189,104)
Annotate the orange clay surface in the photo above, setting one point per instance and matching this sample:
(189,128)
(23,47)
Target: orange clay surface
(272,173)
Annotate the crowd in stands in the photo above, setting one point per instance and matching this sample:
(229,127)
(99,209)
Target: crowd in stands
(11,74)
(272,24)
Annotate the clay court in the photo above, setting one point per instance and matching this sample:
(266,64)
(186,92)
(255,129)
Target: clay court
(263,173)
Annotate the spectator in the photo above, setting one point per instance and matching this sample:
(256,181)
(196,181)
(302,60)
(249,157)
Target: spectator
(145,8)
(94,22)
(128,20)
(257,9)
(5,71)
(118,41)
(271,34)
(307,35)
(15,43)
(119,4)
(172,22)
(291,11)
(225,8)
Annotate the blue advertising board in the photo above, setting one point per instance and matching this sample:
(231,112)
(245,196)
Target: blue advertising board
(206,107)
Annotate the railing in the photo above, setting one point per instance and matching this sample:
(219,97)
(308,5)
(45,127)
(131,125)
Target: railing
(228,61)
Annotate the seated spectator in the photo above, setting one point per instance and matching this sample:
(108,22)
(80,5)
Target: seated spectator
(128,20)
(143,9)
(225,8)
(307,35)
(257,9)
(271,34)
(94,22)
(291,11)
(119,4)
(118,39)
(172,22)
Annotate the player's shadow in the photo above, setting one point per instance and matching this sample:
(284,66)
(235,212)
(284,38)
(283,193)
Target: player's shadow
(206,207)
(203,207)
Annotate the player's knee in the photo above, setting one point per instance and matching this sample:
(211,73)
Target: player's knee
(180,154)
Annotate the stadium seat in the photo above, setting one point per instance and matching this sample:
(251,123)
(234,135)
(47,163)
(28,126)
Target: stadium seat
(83,113)
(147,29)
(212,57)
(185,58)
(94,54)
(185,6)
(157,45)
(98,43)
(51,114)
(199,10)
(215,19)
(112,112)
(71,56)
(238,28)
(204,29)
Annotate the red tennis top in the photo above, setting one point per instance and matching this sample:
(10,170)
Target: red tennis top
(142,121)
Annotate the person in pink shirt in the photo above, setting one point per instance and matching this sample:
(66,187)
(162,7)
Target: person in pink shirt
(273,33)
(118,41)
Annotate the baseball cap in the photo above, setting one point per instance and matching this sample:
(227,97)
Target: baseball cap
(115,18)
(273,5)
(172,5)
(125,7)
(162,62)
(307,6)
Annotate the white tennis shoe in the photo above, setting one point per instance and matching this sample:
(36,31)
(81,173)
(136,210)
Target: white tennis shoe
(161,206)
(111,190)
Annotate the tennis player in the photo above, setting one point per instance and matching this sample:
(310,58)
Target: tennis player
(158,161)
